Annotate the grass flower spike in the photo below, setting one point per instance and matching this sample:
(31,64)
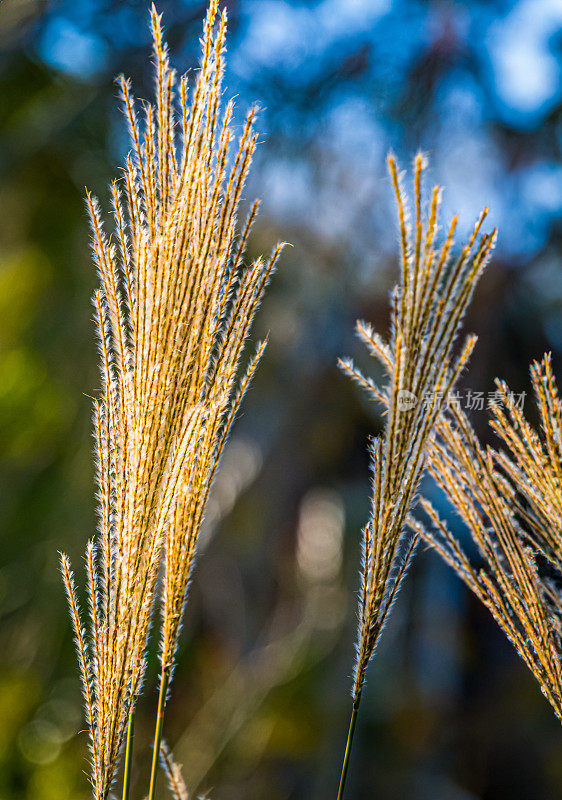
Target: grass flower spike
(173,773)
(510,502)
(427,309)
(174,309)
(534,463)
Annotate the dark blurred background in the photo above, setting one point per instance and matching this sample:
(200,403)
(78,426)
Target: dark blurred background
(260,701)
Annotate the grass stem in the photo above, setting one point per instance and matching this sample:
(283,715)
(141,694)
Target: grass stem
(345,765)
(129,755)
(164,680)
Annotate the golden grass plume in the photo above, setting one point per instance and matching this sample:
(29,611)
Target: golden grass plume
(174,309)
(421,366)
(510,503)
(427,309)
(533,462)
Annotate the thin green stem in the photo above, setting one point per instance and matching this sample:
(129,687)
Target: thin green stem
(129,755)
(345,765)
(164,680)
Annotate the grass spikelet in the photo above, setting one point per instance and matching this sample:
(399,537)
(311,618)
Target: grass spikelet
(528,610)
(533,462)
(427,309)
(173,311)
(172,770)
(85,669)
(510,502)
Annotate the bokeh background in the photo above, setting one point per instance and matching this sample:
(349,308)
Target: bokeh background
(261,697)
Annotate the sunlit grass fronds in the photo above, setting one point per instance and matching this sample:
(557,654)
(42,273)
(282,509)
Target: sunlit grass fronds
(172,770)
(527,609)
(174,309)
(533,462)
(173,773)
(427,309)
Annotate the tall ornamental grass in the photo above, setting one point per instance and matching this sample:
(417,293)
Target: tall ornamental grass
(174,309)
(421,367)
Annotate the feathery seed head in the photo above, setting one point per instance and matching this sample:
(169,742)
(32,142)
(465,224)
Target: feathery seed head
(173,313)
(427,309)
(510,500)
